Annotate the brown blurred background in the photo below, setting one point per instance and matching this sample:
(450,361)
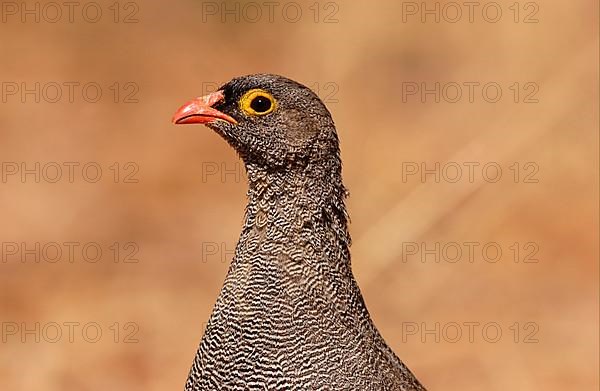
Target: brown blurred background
(172,205)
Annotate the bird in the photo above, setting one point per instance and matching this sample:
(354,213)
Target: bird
(290,314)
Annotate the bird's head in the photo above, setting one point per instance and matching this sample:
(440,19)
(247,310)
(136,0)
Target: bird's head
(270,120)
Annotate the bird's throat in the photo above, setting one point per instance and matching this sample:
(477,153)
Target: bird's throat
(295,224)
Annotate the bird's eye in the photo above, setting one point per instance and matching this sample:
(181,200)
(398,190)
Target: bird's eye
(260,104)
(257,102)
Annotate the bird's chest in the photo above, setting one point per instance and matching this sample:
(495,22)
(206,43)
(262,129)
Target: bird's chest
(266,327)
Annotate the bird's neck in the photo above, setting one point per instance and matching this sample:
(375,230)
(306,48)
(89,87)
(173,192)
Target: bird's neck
(298,215)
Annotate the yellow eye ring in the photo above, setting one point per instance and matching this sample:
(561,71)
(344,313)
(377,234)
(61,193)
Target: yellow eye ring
(257,102)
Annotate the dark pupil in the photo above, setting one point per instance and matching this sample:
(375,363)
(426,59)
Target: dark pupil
(260,104)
